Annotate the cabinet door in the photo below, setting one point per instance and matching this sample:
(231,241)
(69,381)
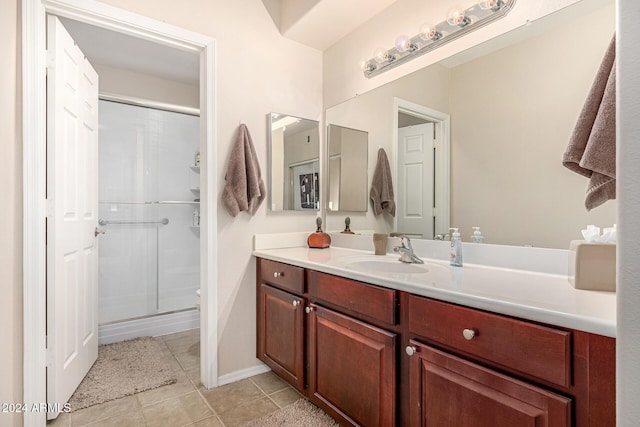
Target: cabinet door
(448,391)
(281,334)
(352,369)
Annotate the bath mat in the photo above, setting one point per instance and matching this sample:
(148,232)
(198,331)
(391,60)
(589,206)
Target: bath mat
(301,413)
(123,369)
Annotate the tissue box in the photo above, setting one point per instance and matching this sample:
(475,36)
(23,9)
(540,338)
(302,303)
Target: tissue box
(592,266)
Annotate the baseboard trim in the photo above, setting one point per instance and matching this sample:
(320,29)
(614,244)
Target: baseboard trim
(154,326)
(242,374)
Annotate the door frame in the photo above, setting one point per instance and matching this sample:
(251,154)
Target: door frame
(36,208)
(442,122)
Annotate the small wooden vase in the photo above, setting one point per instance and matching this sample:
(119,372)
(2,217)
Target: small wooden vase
(319,239)
(347,230)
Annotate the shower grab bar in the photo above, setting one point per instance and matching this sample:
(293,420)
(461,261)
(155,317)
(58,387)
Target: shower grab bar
(163,221)
(156,202)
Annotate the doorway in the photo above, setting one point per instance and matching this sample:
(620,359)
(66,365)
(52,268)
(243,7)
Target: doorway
(421,146)
(34,171)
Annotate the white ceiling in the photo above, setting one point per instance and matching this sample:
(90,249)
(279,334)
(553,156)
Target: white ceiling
(114,49)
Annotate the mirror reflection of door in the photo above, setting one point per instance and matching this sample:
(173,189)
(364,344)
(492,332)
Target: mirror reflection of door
(416,180)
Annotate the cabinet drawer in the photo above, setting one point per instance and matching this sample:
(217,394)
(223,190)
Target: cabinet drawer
(368,300)
(284,276)
(525,347)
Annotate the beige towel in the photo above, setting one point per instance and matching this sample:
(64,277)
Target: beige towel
(244,189)
(592,149)
(381,193)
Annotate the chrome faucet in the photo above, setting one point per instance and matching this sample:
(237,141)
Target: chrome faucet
(406,251)
(444,236)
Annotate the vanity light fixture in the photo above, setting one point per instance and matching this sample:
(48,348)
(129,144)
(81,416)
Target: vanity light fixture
(458,23)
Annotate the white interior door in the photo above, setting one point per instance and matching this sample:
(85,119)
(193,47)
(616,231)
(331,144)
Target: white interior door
(416,180)
(72,188)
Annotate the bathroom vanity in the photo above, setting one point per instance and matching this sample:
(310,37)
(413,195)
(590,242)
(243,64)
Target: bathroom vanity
(389,349)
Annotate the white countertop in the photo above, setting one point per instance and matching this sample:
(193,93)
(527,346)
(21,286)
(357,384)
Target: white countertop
(542,297)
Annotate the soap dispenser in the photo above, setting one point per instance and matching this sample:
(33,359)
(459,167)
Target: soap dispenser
(319,239)
(477,236)
(456,248)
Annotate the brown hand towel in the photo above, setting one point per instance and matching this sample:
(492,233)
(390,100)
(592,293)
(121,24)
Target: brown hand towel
(244,189)
(592,148)
(381,192)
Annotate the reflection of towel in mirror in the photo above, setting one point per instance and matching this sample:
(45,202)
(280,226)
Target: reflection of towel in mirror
(381,193)
(592,148)
(244,189)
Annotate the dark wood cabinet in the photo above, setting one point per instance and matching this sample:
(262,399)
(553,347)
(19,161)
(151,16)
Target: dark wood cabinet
(352,368)
(446,390)
(281,334)
(345,345)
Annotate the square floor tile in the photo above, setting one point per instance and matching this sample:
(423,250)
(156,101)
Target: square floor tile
(232,395)
(250,411)
(269,382)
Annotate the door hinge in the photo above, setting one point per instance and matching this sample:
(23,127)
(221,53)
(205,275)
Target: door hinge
(49,208)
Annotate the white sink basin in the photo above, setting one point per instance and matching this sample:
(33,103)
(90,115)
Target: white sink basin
(385,264)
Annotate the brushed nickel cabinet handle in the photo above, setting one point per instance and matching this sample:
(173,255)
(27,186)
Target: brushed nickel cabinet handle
(411,350)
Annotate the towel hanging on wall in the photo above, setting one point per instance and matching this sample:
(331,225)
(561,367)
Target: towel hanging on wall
(381,193)
(592,148)
(244,188)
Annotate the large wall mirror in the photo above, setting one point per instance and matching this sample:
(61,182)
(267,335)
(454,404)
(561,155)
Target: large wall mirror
(347,169)
(513,102)
(294,154)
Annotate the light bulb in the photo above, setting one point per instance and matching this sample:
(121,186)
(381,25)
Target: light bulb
(428,31)
(380,55)
(403,43)
(487,4)
(455,16)
(367,66)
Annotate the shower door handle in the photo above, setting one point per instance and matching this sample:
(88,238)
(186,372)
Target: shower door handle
(99,232)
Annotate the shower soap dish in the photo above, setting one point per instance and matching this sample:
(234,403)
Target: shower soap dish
(319,239)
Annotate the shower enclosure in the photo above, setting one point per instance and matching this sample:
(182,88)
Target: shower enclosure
(149,260)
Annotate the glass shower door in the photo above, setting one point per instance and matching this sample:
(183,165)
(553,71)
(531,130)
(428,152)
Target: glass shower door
(149,255)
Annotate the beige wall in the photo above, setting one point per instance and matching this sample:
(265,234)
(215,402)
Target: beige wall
(342,78)
(10,214)
(512,114)
(257,71)
(119,81)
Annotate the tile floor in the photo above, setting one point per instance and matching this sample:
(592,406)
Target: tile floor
(187,402)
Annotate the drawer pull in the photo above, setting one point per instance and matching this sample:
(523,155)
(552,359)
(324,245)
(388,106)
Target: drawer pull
(296,302)
(308,310)
(411,350)
(468,334)
(277,274)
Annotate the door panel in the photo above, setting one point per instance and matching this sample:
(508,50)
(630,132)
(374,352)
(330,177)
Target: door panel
(352,368)
(281,334)
(416,180)
(72,186)
(447,390)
